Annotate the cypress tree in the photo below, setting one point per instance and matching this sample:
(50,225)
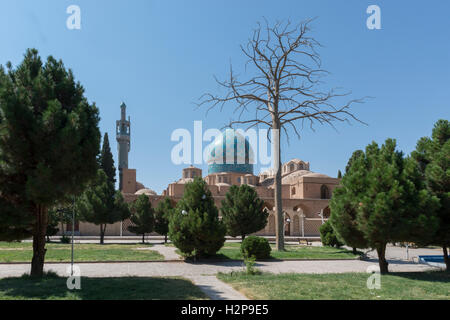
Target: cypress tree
(243,211)
(106,160)
(48,147)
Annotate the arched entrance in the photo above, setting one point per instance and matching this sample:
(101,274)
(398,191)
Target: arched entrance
(287,224)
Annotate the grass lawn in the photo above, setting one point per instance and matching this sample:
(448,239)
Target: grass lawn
(127,288)
(58,252)
(396,286)
(232,250)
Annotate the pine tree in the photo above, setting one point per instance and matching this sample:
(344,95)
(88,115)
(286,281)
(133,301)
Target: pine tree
(339,175)
(194,226)
(100,204)
(48,147)
(355,155)
(345,201)
(106,160)
(433,156)
(393,204)
(143,217)
(243,211)
(162,213)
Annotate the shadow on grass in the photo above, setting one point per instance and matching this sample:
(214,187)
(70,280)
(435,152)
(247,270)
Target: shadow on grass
(125,288)
(430,276)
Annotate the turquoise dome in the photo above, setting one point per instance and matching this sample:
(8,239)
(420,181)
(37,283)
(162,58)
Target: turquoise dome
(230,152)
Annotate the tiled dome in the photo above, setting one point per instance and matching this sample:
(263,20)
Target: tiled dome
(230,152)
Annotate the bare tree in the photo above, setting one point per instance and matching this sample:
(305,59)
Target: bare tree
(284,90)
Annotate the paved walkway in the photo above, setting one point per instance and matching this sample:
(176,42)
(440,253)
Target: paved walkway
(168,252)
(204,274)
(216,289)
(184,269)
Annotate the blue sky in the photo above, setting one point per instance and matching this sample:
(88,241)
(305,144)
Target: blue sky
(160,57)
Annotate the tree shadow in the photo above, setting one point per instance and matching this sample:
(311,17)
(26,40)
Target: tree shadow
(124,288)
(430,276)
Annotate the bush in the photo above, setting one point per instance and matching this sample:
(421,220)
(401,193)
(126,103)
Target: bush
(328,236)
(256,247)
(65,239)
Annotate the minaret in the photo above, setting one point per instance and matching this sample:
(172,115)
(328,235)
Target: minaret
(123,140)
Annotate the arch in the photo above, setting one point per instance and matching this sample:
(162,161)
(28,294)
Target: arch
(293,191)
(268,205)
(324,192)
(326,212)
(291,167)
(299,208)
(287,224)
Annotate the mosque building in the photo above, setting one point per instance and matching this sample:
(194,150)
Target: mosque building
(305,194)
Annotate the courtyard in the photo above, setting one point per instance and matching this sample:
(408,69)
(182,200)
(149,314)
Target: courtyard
(165,275)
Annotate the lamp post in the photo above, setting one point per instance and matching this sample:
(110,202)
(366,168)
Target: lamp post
(73,231)
(287,221)
(321,215)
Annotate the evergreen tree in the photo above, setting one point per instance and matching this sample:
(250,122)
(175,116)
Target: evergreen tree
(162,213)
(393,205)
(243,211)
(194,226)
(100,204)
(345,201)
(433,156)
(355,155)
(143,217)
(339,175)
(106,160)
(48,147)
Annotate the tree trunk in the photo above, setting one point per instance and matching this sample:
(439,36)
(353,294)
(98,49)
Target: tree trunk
(279,219)
(143,238)
(102,234)
(243,237)
(354,250)
(165,238)
(381,251)
(446,259)
(39,230)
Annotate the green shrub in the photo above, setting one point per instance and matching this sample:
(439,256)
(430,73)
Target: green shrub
(65,239)
(250,268)
(256,247)
(328,236)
